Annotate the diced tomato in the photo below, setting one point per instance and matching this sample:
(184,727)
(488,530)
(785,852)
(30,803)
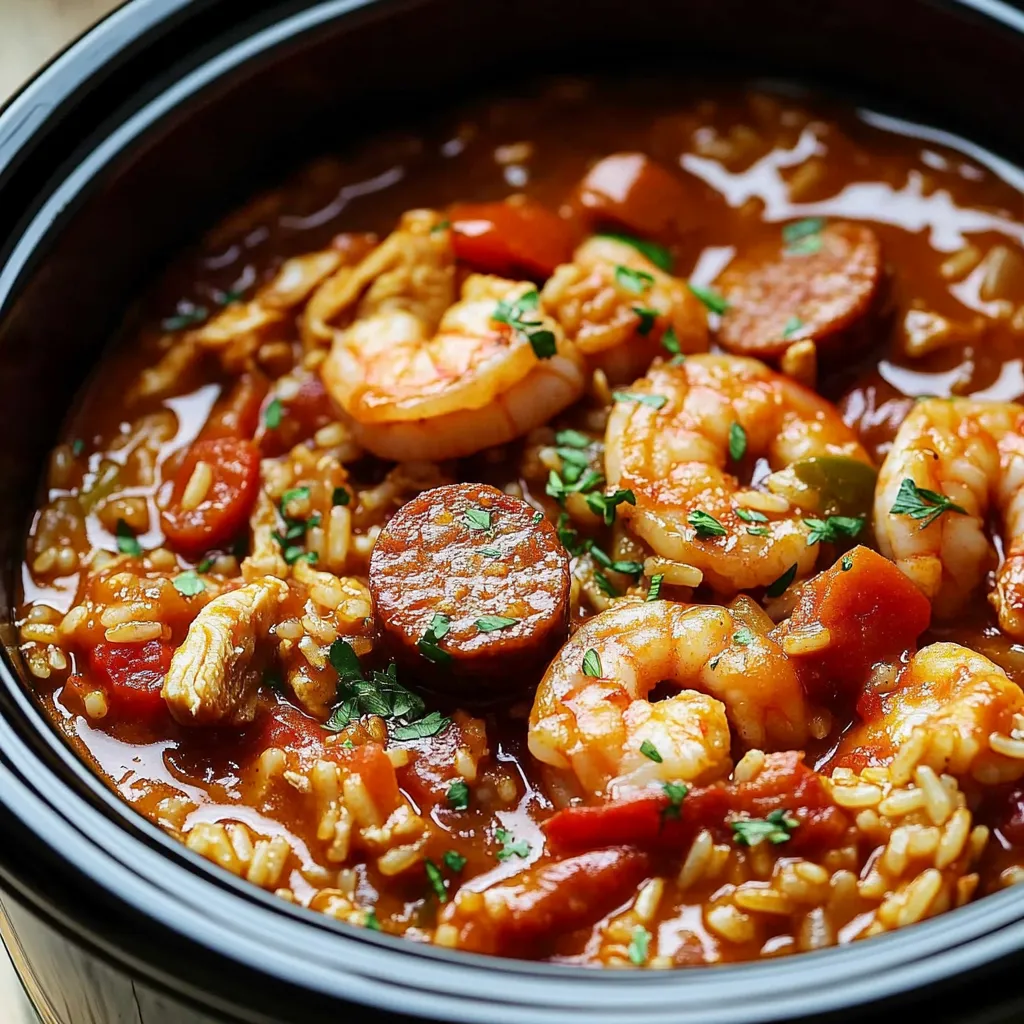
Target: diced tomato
(371,763)
(873,613)
(631,191)
(237,413)
(516,235)
(302,415)
(650,820)
(224,509)
(132,676)
(285,726)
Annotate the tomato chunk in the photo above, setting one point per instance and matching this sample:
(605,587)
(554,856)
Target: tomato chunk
(873,613)
(237,413)
(651,820)
(515,235)
(631,191)
(132,676)
(302,415)
(234,465)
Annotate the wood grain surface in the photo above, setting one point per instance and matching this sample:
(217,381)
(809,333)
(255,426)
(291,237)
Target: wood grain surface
(31,32)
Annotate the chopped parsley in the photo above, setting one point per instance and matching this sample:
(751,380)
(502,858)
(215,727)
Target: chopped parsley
(709,297)
(541,340)
(833,529)
(639,943)
(758,531)
(458,795)
(272,414)
(705,525)
(636,282)
(435,631)
(185,318)
(340,496)
(490,623)
(655,590)
(657,254)
(604,584)
(592,664)
(650,751)
(572,439)
(676,793)
(751,515)
(441,225)
(77,447)
(558,486)
(126,542)
(654,401)
(793,324)
(454,861)
(776,828)
(627,568)
(778,588)
(476,518)
(510,847)
(429,725)
(743,636)
(573,456)
(538,518)
(803,237)
(604,505)
(919,503)
(670,342)
(647,318)
(381,694)
(371,920)
(205,565)
(846,563)
(188,583)
(491,552)
(737,442)
(436,880)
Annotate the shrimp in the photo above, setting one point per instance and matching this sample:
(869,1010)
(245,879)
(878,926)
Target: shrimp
(971,455)
(604,729)
(955,711)
(668,441)
(618,308)
(491,368)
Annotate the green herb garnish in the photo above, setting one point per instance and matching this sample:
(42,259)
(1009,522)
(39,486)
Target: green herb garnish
(846,563)
(188,583)
(657,254)
(655,589)
(476,518)
(639,943)
(604,505)
(743,636)
(272,414)
(676,793)
(922,504)
(436,880)
(572,439)
(541,340)
(778,588)
(454,861)
(654,401)
(592,664)
(458,795)
(510,847)
(126,542)
(427,644)
(650,751)
(340,496)
(750,515)
(705,525)
(491,623)
(709,297)
(833,529)
(636,282)
(793,324)
(429,725)
(737,442)
(777,827)
(647,319)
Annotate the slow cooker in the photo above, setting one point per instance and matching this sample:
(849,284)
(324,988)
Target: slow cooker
(117,154)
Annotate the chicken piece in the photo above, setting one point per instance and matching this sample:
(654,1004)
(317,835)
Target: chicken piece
(213,674)
(411,271)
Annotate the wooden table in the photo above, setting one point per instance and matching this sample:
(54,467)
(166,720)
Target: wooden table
(32,31)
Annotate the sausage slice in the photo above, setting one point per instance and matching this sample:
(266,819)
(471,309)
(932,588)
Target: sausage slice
(470,589)
(818,285)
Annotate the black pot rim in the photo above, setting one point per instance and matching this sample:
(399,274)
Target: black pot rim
(150,875)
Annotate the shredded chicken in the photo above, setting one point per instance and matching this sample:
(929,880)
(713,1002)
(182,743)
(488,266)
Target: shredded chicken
(213,674)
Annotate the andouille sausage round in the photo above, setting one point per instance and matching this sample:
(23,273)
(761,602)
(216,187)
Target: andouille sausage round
(471,587)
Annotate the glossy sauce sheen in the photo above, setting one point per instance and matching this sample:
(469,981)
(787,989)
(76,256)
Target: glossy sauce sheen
(924,199)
